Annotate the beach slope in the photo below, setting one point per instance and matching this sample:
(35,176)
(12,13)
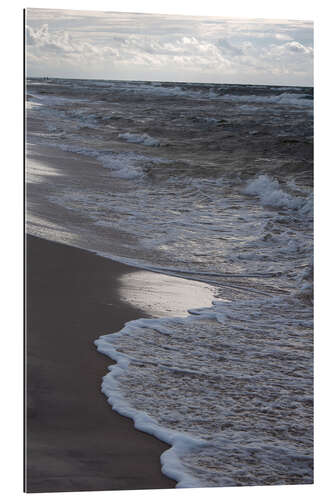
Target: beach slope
(74,441)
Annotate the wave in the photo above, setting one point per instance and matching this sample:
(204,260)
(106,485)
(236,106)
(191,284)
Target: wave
(271,194)
(285,98)
(122,165)
(215,93)
(50,100)
(145,139)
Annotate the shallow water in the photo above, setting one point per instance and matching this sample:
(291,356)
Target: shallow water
(211,183)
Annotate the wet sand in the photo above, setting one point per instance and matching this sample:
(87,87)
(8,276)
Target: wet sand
(74,441)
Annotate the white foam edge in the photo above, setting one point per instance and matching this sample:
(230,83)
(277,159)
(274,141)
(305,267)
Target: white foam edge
(180,443)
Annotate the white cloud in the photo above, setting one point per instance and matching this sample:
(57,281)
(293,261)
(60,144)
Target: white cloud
(298,47)
(291,51)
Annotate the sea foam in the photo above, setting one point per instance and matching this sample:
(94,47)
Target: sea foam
(140,139)
(223,387)
(271,194)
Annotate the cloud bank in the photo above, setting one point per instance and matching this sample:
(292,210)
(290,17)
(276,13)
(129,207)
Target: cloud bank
(85,44)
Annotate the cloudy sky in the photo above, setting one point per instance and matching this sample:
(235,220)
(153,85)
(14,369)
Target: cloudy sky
(113,45)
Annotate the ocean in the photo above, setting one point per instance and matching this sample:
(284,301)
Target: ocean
(211,183)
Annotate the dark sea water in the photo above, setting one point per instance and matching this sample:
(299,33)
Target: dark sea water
(213,183)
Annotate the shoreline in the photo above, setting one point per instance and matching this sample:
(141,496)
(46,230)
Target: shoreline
(74,440)
(80,195)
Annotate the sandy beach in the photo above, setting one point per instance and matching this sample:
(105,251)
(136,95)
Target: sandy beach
(74,441)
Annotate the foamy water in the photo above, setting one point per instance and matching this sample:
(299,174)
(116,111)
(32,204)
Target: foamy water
(234,402)
(211,183)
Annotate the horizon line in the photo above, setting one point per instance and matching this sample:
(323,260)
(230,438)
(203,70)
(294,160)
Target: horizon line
(167,81)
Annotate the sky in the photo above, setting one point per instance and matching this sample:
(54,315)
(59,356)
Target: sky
(128,46)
